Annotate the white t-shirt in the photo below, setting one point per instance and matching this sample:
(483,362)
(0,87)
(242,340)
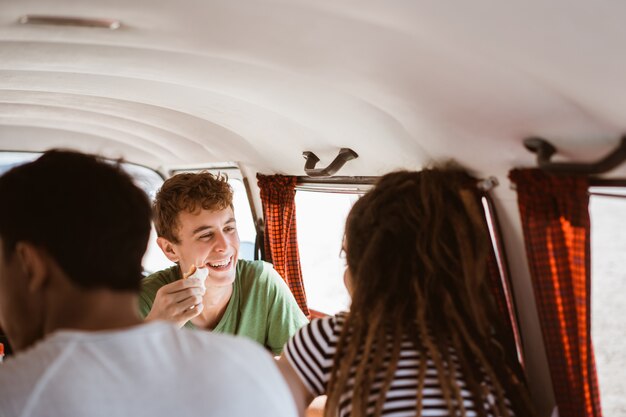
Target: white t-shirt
(151,370)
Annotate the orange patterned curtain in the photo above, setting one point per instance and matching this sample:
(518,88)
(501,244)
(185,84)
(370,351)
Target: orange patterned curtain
(281,242)
(555,220)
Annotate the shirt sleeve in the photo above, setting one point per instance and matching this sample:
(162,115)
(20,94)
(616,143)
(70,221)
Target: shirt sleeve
(284,314)
(311,351)
(146,298)
(149,287)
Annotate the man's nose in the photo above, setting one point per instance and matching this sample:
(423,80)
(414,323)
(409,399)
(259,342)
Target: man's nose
(220,242)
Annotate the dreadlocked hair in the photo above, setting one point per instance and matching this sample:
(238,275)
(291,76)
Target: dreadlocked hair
(417,252)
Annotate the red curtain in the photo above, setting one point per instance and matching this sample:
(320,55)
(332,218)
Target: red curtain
(555,220)
(281,242)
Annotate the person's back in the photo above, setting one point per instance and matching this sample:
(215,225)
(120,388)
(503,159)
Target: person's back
(73,232)
(423,335)
(153,370)
(314,347)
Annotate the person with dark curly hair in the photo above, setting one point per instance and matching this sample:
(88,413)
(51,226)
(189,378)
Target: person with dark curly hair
(419,337)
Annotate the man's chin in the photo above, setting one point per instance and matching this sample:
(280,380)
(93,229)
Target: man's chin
(219,281)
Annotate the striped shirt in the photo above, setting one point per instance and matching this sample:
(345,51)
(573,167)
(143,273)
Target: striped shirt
(311,352)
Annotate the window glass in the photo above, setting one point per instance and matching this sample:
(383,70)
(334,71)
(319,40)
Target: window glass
(145,178)
(9,160)
(243,215)
(150,182)
(321,218)
(608,286)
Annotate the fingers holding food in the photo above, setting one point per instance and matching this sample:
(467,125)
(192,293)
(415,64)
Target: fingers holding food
(199,273)
(192,270)
(177,302)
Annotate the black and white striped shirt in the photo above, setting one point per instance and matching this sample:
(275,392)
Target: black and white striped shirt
(311,352)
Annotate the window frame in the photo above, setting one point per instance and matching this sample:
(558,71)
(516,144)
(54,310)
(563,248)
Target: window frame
(334,185)
(360,185)
(497,242)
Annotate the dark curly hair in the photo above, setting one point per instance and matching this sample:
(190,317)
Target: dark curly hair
(417,247)
(85,212)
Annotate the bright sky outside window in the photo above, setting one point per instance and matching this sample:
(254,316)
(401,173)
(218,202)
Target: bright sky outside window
(608,286)
(321,219)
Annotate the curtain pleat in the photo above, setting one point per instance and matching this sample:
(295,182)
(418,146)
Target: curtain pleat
(555,220)
(281,241)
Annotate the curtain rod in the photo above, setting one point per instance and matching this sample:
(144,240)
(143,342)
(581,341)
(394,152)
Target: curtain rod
(545,150)
(607,182)
(336,180)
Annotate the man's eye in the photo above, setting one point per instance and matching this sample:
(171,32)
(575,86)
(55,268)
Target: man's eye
(207,236)
(229,229)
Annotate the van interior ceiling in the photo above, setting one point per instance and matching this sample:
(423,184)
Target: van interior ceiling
(253,84)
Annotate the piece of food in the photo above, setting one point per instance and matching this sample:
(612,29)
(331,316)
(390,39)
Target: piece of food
(199,273)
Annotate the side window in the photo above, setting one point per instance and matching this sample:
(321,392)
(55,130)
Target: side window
(150,182)
(9,160)
(145,178)
(607,209)
(245,223)
(321,217)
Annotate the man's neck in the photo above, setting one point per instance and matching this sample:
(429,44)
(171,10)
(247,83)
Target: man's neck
(92,310)
(215,302)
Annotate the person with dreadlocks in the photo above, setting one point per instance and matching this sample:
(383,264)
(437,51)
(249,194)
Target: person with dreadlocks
(423,334)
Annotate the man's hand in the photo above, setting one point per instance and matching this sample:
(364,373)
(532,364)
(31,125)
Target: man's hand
(179,301)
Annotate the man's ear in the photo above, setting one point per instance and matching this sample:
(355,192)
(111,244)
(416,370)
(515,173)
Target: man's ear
(34,264)
(168,248)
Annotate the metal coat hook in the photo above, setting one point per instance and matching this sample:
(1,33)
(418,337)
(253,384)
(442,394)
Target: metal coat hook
(345,155)
(545,150)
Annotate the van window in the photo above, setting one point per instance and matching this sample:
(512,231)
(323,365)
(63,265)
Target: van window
(321,212)
(321,217)
(145,178)
(150,182)
(608,285)
(9,160)
(245,223)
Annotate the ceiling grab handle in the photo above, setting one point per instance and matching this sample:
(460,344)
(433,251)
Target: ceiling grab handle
(545,150)
(345,155)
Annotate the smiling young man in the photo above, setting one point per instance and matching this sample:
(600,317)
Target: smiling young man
(196,228)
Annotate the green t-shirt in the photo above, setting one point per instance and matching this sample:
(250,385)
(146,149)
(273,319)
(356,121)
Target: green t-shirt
(261,306)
